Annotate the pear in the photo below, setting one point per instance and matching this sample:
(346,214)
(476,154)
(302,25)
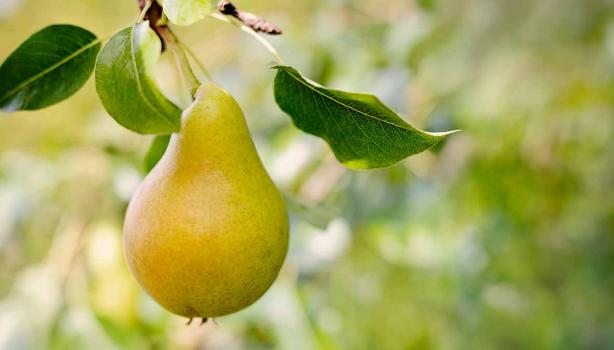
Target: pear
(206,232)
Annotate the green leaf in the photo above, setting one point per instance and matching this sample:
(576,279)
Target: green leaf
(362,132)
(47,68)
(186,12)
(125,83)
(156,151)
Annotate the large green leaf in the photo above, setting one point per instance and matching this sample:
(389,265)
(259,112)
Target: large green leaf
(47,68)
(125,83)
(362,132)
(186,12)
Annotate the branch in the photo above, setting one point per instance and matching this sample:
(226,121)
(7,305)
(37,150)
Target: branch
(256,23)
(154,14)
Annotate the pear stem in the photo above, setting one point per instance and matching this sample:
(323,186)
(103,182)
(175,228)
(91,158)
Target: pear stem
(199,64)
(183,65)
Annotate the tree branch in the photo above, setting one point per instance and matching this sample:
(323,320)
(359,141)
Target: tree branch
(251,20)
(154,15)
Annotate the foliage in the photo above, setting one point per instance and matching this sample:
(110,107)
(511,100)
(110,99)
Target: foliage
(126,86)
(362,132)
(186,12)
(128,92)
(47,68)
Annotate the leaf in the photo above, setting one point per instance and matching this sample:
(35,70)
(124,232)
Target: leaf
(125,83)
(47,68)
(156,151)
(186,12)
(362,132)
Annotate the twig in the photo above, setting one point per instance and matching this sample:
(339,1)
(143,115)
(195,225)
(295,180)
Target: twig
(251,20)
(153,12)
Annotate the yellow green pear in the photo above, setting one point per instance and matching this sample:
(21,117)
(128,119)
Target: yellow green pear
(206,233)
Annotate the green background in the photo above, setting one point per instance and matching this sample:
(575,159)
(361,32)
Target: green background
(499,238)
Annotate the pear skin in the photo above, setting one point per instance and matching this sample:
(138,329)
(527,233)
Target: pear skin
(206,232)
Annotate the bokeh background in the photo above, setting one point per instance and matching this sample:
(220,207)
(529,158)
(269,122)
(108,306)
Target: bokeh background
(500,238)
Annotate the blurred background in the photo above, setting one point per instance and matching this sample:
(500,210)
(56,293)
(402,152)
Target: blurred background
(500,238)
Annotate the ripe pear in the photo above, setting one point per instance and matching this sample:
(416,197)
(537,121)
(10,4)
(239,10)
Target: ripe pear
(206,232)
